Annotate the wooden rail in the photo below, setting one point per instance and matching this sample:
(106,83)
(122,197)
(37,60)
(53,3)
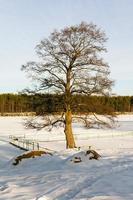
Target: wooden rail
(23,143)
(26,144)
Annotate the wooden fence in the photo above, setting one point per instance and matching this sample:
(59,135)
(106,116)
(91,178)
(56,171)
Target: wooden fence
(27,144)
(23,143)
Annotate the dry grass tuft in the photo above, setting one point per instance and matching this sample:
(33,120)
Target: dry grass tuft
(31,154)
(93,154)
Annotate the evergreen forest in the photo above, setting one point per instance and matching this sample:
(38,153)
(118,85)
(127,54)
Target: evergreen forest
(17,104)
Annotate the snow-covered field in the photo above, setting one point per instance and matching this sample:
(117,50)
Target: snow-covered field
(57,177)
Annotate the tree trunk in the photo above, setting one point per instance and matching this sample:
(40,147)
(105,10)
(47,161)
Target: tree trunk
(70,143)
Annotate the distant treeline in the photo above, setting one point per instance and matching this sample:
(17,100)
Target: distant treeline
(48,103)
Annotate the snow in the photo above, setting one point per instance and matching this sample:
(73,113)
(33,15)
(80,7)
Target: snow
(57,177)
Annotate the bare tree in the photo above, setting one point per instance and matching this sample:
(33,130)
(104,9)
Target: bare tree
(70,63)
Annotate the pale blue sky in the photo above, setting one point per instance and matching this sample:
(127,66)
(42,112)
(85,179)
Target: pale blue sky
(23,23)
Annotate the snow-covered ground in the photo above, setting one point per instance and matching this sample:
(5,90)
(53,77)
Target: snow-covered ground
(57,177)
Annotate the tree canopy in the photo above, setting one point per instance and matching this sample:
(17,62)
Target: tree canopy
(71,63)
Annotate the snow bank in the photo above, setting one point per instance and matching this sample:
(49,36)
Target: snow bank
(57,177)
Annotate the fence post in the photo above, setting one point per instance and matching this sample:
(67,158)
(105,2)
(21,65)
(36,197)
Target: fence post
(33,145)
(37,146)
(27,144)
